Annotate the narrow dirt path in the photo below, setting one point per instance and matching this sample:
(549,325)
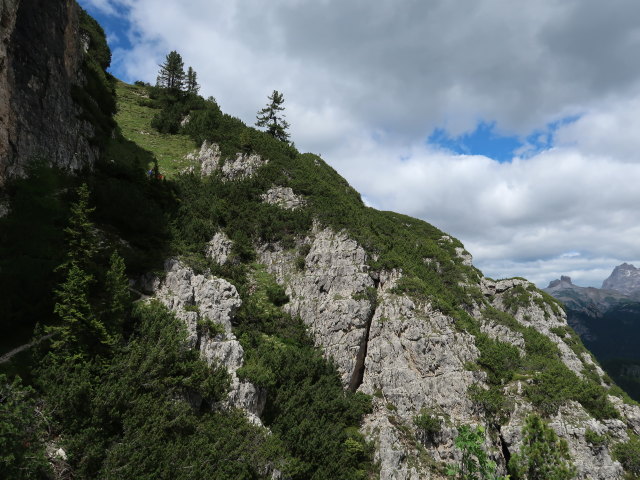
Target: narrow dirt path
(9,355)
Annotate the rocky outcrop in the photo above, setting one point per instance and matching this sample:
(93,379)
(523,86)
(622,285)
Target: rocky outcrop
(243,166)
(206,305)
(41,56)
(219,248)
(283,197)
(329,295)
(208,160)
(412,358)
(537,313)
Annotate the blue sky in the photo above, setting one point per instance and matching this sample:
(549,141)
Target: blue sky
(511,125)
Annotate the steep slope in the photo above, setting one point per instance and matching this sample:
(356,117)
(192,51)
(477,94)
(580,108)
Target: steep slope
(400,310)
(281,329)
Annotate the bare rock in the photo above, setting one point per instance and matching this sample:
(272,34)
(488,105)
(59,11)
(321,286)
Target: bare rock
(208,158)
(465,256)
(329,295)
(206,305)
(41,59)
(219,248)
(243,166)
(283,197)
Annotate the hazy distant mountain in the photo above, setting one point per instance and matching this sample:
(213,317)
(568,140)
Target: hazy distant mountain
(625,279)
(608,321)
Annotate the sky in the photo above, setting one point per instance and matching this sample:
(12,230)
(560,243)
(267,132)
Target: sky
(511,125)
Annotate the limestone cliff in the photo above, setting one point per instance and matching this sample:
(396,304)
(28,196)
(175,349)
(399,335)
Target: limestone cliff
(42,52)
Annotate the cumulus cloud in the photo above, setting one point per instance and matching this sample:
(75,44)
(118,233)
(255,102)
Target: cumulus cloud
(366,85)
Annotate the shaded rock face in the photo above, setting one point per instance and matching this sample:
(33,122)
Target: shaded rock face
(207,305)
(625,279)
(410,357)
(41,55)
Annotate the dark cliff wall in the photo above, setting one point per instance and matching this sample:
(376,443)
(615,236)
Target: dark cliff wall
(42,61)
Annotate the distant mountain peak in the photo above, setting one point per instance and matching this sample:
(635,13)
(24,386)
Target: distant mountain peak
(564,281)
(625,278)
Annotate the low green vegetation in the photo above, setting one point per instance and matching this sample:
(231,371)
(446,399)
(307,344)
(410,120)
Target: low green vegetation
(427,425)
(595,439)
(551,382)
(135,114)
(475,463)
(628,454)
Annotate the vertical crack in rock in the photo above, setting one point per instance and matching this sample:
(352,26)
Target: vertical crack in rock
(505,449)
(358,372)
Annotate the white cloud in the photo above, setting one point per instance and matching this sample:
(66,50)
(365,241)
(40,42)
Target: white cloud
(364,87)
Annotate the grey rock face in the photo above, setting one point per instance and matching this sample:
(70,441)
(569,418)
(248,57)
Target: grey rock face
(410,357)
(41,55)
(243,166)
(219,248)
(196,300)
(208,159)
(329,295)
(625,279)
(284,198)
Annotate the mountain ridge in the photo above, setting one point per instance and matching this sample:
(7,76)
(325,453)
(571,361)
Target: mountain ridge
(286,330)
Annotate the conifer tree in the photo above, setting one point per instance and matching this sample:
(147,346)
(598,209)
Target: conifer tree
(542,456)
(79,331)
(192,81)
(271,118)
(118,299)
(171,73)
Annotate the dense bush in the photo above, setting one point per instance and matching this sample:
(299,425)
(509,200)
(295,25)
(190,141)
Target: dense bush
(145,412)
(22,432)
(628,454)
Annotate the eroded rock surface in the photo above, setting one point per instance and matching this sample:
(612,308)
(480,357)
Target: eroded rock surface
(412,358)
(206,305)
(208,158)
(283,197)
(243,166)
(219,248)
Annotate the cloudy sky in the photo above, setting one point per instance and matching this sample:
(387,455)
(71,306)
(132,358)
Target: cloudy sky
(512,125)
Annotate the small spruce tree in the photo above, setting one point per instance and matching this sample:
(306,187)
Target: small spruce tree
(79,332)
(118,298)
(542,456)
(171,74)
(271,118)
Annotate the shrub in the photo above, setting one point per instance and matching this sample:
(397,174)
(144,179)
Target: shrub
(428,425)
(595,439)
(542,456)
(628,454)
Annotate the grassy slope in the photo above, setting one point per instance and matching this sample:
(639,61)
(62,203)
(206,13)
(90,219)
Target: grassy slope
(134,120)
